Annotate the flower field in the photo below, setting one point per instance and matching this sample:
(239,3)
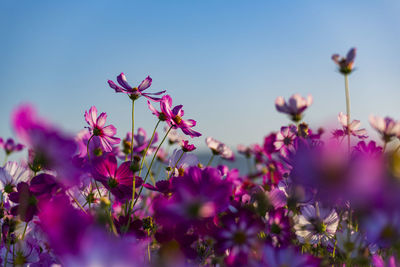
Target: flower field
(309,196)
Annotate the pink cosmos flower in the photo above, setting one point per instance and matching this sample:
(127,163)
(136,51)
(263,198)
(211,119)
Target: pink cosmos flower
(186,147)
(352,129)
(345,64)
(173,116)
(294,107)
(97,128)
(134,92)
(386,127)
(219,148)
(285,138)
(118,180)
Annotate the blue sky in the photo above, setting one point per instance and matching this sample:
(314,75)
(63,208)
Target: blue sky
(225,61)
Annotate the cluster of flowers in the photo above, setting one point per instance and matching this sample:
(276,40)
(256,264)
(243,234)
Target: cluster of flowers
(306,200)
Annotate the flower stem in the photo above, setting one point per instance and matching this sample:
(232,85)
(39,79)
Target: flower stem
(151,174)
(5,160)
(87,146)
(211,159)
(176,164)
(346,85)
(151,164)
(23,234)
(77,203)
(147,148)
(133,127)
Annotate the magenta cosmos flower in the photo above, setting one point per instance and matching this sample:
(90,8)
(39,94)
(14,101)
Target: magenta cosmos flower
(294,107)
(134,92)
(97,129)
(345,64)
(173,116)
(118,180)
(10,146)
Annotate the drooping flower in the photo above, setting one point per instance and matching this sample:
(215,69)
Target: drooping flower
(173,116)
(10,146)
(345,64)
(352,129)
(97,129)
(134,92)
(316,225)
(118,180)
(219,148)
(294,107)
(387,127)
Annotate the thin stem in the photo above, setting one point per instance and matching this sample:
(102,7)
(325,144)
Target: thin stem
(87,146)
(148,246)
(384,147)
(5,160)
(23,234)
(151,164)
(76,201)
(151,174)
(176,164)
(114,230)
(211,159)
(147,148)
(133,127)
(346,84)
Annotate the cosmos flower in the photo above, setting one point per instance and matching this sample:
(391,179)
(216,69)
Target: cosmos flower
(386,127)
(173,116)
(294,107)
(97,129)
(180,161)
(50,148)
(118,180)
(285,138)
(345,64)
(316,225)
(134,92)
(23,253)
(12,174)
(278,225)
(186,147)
(10,146)
(352,129)
(219,148)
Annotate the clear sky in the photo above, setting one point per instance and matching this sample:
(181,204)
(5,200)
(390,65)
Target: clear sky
(226,61)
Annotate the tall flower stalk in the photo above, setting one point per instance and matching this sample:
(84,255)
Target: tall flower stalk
(345,65)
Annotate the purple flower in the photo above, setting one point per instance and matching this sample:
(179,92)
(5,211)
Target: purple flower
(285,139)
(377,261)
(11,174)
(219,148)
(22,253)
(180,161)
(134,92)
(295,106)
(352,129)
(316,225)
(10,146)
(371,149)
(239,233)
(51,149)
(173,116)
(279,227)
(118,180)
(97,128)
(198,195)
(345,64)
(386,127)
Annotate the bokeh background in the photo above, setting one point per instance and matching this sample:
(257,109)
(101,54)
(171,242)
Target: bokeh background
(225,61)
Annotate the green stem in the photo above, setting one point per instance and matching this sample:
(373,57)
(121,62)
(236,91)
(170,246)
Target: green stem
(133,127)
(77,203)
(211,159)
(147,148)
(23,234)
(5,160)
(176,164)
(151,174)
(114,230)
(87,146)
(151,164)
(346,84)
